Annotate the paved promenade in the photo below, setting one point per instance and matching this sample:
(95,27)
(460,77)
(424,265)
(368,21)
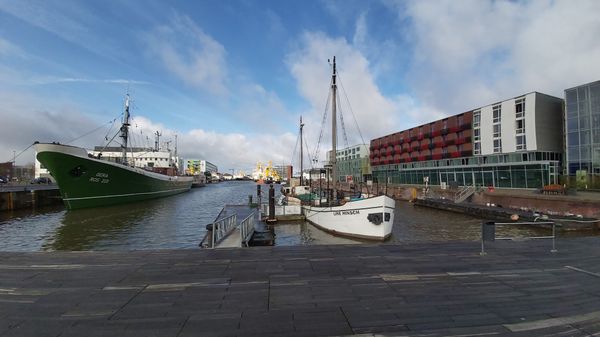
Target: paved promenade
(437,289)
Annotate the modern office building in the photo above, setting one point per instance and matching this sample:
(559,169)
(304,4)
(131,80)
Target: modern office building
(582,129)
(194,166)
(353,164)
(515,143)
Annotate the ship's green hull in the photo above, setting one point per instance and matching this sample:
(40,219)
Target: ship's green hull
(87,182)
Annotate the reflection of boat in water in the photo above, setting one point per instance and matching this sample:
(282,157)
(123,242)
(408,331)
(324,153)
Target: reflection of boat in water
(84,229)
(86,180)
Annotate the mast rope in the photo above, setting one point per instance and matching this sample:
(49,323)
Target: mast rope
(90,132)
(349,105)
(323,121)
(342,122)
(295,147)
(20,153)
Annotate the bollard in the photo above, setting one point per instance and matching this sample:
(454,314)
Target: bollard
(258,193)
(271,204)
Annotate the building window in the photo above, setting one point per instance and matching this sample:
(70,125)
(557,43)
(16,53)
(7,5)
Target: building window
(497,130)
(476,118)
(497,113)
(521,144)
(520,108)
(477,148)
(497,145)
(520,126)
(445,124)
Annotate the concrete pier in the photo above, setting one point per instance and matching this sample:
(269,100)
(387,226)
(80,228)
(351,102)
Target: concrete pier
(437,289)
(28,196)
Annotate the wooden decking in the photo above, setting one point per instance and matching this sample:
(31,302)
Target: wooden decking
(427,289)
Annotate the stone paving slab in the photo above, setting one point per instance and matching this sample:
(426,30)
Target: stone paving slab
(436,289)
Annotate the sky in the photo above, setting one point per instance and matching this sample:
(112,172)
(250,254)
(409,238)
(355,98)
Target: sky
(232,78)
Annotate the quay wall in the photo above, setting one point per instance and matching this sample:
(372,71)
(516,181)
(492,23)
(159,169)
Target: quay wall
(522,200)
(541,204)
(29,198)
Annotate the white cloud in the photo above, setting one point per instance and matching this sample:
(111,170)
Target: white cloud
(190,54)
(52,80)
(32,119)
(226,150)
(26,119)
(471,53)
(375,113)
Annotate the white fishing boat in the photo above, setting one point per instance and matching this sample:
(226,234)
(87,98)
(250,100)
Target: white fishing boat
(367,218)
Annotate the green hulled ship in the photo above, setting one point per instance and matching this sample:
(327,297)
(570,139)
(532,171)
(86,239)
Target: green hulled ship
(88,181)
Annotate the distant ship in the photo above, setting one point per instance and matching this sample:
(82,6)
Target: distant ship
(88,180)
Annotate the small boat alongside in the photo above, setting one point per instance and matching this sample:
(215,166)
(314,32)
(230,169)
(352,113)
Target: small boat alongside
(86,180)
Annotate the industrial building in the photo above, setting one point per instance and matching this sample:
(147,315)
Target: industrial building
(515,143)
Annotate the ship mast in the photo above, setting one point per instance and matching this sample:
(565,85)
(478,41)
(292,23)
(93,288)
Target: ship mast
(301,154)
(125,130)
(333,158)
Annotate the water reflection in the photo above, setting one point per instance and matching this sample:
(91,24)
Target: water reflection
(89,229)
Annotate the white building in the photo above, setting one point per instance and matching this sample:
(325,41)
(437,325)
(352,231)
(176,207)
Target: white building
(532,122)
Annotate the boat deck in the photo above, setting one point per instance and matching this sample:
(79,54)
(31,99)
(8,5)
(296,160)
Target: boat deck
(433,289)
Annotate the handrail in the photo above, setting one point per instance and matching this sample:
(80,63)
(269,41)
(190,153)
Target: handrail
(247,228)
(463,194)
(489,234)
(222,227)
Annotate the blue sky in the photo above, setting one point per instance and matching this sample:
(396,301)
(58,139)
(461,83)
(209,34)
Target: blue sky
(232,78)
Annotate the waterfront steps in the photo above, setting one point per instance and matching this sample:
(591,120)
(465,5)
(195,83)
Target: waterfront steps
(433,289)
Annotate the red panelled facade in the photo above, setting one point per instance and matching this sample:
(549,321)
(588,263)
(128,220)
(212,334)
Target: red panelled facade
(450,137)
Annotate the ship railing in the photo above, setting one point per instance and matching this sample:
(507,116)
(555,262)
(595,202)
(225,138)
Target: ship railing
(282,209)
(488,233)
(222,227)
(247,228)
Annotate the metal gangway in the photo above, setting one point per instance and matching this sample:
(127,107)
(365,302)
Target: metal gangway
(227,231)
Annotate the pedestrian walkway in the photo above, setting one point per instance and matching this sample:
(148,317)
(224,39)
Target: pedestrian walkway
(436,289)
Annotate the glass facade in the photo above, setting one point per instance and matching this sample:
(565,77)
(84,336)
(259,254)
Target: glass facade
(353,164)
(582,113)
(513,170)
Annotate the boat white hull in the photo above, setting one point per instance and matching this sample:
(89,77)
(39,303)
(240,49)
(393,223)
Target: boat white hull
(371,218)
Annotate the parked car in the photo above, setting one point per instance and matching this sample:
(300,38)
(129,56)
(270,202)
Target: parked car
(3,180)
(42,180)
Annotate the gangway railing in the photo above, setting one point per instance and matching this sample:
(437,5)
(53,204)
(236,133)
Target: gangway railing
(282,209)
(463,194)
(488,233)
(222,227)
(247,229)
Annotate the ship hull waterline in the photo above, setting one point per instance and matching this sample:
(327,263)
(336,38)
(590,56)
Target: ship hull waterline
(352,219)
(88,182)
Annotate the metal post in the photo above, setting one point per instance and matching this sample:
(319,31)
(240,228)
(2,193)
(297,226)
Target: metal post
(482,253)
(553,238)
(258,194)
(214,225)
(271,203)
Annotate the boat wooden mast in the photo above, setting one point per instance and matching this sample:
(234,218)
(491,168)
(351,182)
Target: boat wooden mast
(333,158)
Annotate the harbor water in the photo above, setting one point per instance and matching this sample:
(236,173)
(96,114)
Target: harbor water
(180,221)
